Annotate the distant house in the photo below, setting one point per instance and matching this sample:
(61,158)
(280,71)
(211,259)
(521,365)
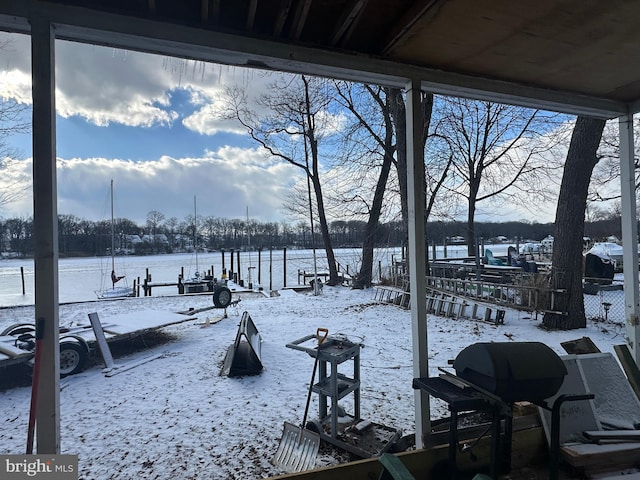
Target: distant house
(129,244)
(547,243)
(456,240)
(159,238)
(132,240)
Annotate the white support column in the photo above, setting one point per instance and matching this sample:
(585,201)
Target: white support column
(45,220)
(629,235)
(417,254)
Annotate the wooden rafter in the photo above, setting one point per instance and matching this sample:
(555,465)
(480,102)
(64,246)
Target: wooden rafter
(251,15)
(215,11)
(398,31)
(283,13)
(347,22)
(299,18)
(204,10)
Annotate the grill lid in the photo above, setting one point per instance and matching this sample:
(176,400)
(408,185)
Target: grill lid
(514,371)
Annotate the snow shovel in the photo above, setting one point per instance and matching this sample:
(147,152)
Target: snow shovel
(298,446)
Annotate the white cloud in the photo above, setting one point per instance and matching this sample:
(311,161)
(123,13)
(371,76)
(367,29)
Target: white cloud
(225,182)
(207,122)
(16,85)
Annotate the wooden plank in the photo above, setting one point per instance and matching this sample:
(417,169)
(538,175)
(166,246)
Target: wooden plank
(580,346)
(627,476)
(597,458)
(613,435)
(102,341)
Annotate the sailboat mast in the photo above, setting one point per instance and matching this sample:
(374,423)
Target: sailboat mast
(195,231)
(248,235)
(113,234)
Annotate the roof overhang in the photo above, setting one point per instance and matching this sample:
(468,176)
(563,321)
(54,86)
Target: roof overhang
(164,38)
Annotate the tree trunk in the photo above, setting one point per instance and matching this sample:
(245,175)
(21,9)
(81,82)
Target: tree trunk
(474,188)
(366,271)
(567,302)
(326,237)
(398,111)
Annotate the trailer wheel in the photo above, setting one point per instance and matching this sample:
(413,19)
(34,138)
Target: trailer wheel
(73,357)
(222,297)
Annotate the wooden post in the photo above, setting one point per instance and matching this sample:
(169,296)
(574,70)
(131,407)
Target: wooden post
(239,269)
(232,269)
(22,276)
(270,268)
(223,267)
(284,265)
(259,266)
(379,270)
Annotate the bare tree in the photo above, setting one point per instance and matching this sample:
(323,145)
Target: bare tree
(154,220)
(498,153)
(14,120)
(296,122)
(566,271)
(604,189)
(373,132)
(375,144)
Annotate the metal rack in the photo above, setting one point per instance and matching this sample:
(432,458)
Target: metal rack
(362,438)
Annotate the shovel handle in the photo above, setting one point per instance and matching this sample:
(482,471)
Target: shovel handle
(321,335)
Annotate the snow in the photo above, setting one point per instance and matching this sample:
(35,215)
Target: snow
(176,417)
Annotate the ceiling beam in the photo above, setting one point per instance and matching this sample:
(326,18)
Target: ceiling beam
(152,36)
(299,18)
(283,13)
(204,10)
(348,20)
(251,15)
(407,21)
(215,15)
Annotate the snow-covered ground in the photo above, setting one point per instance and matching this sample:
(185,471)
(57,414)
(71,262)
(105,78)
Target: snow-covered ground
(176,417)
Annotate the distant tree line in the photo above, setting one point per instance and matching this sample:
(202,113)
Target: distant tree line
(78,237)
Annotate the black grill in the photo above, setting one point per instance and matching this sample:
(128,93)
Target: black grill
(491,377)
(513,371)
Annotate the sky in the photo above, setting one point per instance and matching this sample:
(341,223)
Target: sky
(176,417)
(149,123)
(144,121)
